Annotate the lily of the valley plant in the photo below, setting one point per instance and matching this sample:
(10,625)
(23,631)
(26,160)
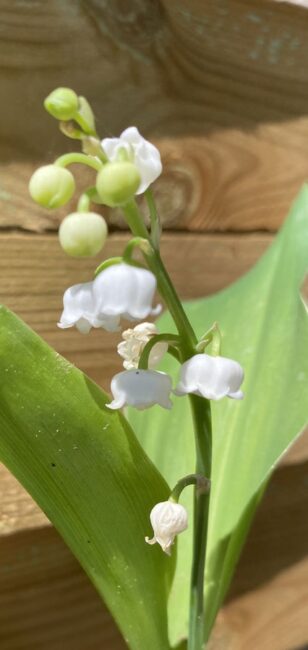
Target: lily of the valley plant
(124,290)
(122,297)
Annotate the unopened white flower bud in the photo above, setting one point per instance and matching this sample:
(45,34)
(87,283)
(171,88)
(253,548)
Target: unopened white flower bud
(168,519)
(141,389)
(83,234)
(62,104)
(52,186)
(134,341)
(117,183)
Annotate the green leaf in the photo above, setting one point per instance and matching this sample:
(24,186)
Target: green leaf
(86,470)
(264,325)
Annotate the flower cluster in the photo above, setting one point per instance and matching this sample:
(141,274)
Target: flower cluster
(123,290)
(131,164)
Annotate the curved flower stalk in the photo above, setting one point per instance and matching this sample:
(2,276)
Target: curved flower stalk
(141,389)
(139,151)
(211,377)
(168,519)
(119,291)
(134,342)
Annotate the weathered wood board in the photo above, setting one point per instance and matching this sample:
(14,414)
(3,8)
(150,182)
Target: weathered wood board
(220,86)
(45,599)
(47,602)
(34,272)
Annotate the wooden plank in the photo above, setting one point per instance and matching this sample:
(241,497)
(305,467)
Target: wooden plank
(267,606)
(220,87)
(45,599)
(34,272)
(47,602)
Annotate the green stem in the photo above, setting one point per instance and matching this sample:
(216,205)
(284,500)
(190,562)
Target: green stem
(155,220)
(106,263)
(156,338)
(202,422)
(201,482)
(202,425)
(165,286)
(74,157)
(85,199)
(84,202)
(137,242)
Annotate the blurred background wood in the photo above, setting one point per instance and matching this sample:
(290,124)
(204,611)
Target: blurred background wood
(221,87)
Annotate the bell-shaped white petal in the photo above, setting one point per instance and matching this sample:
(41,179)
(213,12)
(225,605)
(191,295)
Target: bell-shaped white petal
(79,310)
(141,152)
(141,389)
(168,519)
(211,377)
(119,291)
(125,291)
(134,341)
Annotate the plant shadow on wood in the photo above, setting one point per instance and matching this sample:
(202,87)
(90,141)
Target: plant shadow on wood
(278,537)
(47,601)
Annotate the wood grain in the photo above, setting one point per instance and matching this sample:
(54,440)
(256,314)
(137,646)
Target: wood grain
(220,87)
(34,272)
(47,602)
(45,599)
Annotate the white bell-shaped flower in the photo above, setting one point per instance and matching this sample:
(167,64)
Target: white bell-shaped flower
(119,291)
(134,341)
(141,389)
(124,291)
(211,377)
(168,519)
(79,310)
(141,152)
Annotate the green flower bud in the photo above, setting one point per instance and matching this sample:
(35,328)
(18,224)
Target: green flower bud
(52,186)
(83,234)
(117,183)
(62,104)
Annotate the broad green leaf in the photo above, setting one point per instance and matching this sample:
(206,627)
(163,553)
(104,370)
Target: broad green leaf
(86,470)
(264,326)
